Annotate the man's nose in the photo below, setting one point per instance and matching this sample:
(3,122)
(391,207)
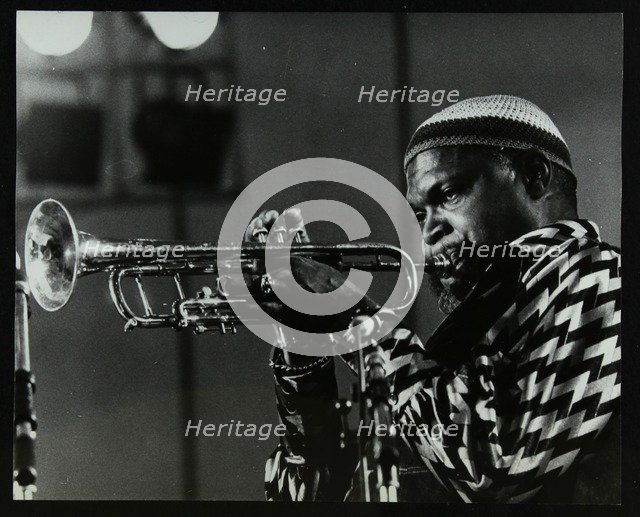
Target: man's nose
(434,228)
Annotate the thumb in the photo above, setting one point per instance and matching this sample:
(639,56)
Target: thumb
(294,221)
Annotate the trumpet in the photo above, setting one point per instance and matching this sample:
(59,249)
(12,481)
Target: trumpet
(57,254)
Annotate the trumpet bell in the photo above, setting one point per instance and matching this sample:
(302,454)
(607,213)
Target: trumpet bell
(51,258)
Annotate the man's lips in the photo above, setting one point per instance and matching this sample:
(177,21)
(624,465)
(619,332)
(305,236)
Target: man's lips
(458,269)
(453,254)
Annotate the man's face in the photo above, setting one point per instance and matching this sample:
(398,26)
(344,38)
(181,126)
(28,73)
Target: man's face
(464,194)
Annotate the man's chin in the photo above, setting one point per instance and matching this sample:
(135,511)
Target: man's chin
(452,283)
(454,288)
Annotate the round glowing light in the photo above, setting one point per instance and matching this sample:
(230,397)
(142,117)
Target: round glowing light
(54,33)
(182,31)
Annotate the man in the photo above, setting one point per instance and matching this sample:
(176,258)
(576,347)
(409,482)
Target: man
(526,364)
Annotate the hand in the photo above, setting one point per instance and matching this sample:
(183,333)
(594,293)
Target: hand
(311,275)
(258,227)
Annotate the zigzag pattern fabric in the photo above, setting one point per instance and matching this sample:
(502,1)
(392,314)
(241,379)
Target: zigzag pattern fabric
(527,368)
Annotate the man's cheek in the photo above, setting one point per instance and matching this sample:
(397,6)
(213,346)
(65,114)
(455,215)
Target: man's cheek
(469,235)
(480,230)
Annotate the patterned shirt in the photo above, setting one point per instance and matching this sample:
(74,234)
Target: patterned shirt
(526,369)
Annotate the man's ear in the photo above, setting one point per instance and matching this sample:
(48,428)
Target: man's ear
(535,170)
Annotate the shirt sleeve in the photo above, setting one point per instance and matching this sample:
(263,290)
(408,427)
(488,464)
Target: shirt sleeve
(531,400)
(311,462)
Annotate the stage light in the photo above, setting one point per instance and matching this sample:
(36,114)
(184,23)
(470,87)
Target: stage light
(182,31)
(54,33)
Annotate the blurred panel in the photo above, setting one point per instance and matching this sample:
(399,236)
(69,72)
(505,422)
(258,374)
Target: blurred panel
(185,144)
(62,144)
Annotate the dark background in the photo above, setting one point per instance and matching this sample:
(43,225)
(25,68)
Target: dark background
(112,407)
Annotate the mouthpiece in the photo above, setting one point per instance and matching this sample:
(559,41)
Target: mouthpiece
(440,265)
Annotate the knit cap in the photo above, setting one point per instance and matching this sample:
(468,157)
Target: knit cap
(494,120)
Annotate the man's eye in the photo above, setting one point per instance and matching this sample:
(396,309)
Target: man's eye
(450,195)
(421,215)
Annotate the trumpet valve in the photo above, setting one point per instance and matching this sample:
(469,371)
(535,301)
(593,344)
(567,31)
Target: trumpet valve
(260,234)
(228,327)
(280,232)
(206,292)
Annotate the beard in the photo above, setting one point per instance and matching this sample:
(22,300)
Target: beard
(447,301)
(467,273)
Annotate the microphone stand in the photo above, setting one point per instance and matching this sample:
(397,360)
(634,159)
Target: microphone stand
(375,403)
(24,471)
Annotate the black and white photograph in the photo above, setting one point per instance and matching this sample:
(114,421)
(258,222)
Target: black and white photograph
(318,256)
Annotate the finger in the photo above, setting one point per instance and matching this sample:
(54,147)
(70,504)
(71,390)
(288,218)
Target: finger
(253,225)
(293,217)
(269,217)
(295,223)
(264,220)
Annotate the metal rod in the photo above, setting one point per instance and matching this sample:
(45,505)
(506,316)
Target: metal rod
(363,412)
(24,468)
(178,282)
(143,296)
